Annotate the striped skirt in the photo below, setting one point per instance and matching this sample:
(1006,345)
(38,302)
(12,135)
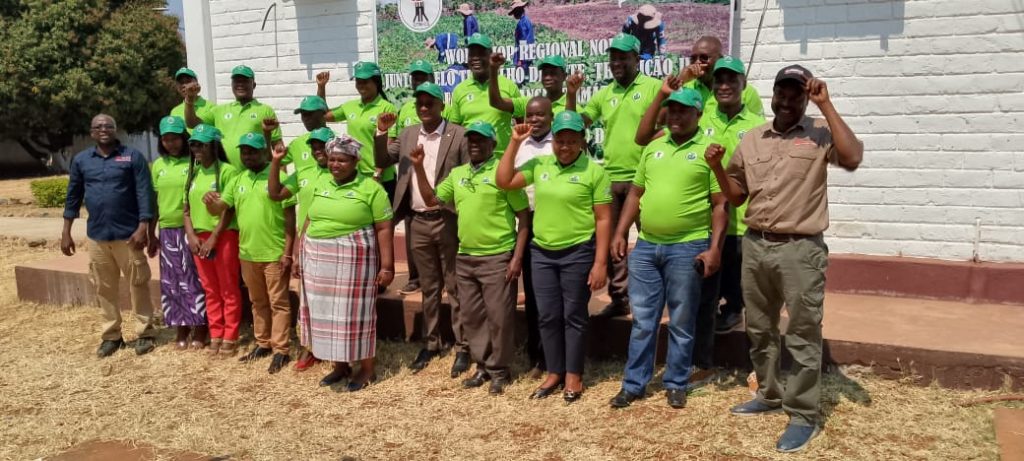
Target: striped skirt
(340,291)
(182,297)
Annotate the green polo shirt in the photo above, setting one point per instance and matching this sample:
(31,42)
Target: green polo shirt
(338,211)
(620,109)
(565,199)
(300,184)
(260,219)
(361,122)
(205,180)
(487,214)
(300,154)
(470,102)
(234,120)
(751,100)
(169,177)
(728,133)
(407,116)
(202,111)
(677,183)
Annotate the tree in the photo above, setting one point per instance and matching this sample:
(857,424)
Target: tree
(63,61)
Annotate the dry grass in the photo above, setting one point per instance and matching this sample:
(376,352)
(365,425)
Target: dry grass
(19,201)
(55,394)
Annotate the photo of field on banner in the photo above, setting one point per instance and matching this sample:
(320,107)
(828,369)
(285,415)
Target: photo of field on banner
(525,32)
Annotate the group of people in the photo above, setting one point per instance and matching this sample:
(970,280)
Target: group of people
(492,187)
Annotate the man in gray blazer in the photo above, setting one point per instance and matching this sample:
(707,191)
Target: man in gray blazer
(433,232)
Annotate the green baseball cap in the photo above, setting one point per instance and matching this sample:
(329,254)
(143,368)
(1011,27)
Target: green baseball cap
(625,42)
(205,133)
(172,124)
(312,104)
(730,63)
(365,70)
(254,140)
(479,39)
(185,71)
(687,97)
(421,65)
(567,120)
(243,71)
(481,127)
(553,60)
(430,88)
(323,134)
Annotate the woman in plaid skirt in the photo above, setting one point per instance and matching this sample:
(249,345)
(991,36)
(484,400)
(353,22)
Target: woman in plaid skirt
(346,254)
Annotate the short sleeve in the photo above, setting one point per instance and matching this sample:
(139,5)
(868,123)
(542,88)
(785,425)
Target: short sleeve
(518,100)
(290,201)
(517,200)
(602,187)
(228,192)
(228,173)
(715,187)
(380,206)
(205,114)
(268,112)
(641,168)
(153,171)
(292,183)
(339,113)
(752,101)
(454,113)
(527,169)
(593,108)
(446,190)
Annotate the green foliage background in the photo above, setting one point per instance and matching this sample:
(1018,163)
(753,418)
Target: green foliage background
(49,193)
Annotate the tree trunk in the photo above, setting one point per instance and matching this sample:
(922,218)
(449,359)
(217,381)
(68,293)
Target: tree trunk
(54,157)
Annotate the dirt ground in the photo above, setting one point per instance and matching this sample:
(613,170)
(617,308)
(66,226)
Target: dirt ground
(55,396)
(16,199)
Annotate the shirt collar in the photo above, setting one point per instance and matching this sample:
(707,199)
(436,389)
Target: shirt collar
(804,123)
(243,106)
(580,162)
(118,150)
(639,75)
(697,137)
(742,115)
(371,103)
(545,140)
(488,164)
(438,131)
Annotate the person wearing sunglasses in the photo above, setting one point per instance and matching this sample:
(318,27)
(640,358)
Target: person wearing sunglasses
(115,183)
(699,75)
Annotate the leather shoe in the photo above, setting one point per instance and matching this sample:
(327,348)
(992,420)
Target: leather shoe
(461,364)
(422,359)
(108,347)
(478,379)
(355,386)
(796,437)
(615,308)
(544,392)
(753,408)
(144,346)
(623,399)
(256,354)
(340,372)
(572,396)
(498,385)
(279,362)
(676,398)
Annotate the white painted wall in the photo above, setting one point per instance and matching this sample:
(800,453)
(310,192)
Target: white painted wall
(932,87)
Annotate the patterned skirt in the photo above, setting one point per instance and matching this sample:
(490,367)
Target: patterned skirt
(182,297)
(340,291)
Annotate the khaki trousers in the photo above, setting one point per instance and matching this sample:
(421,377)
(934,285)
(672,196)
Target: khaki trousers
(435,242)
(790,273)
(271,308)
(488,305)
(107,262)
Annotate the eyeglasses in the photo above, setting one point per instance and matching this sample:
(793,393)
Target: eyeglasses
(103,126)
(699,57)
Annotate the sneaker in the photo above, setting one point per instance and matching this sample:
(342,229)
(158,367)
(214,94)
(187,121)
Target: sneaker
(753,408)
(108,347)
(412,287)
(796,437)
(144,346)
(727,322)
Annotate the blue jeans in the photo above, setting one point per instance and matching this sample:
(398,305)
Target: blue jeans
(659,274)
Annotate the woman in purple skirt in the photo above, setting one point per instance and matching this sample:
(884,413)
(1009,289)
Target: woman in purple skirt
(181,295)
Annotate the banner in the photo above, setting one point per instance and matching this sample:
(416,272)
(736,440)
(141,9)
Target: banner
(436,31)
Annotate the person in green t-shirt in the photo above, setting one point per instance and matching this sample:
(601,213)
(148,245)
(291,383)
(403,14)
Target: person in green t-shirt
(491,248)
(471,99)
(683,220)
(552,78)
(705,53)
(181,295)
(236,118)
(213,239)
(360,116)
(724,124)
(572,226)
(266,234)
(184,78)
(347,253)
(619,106)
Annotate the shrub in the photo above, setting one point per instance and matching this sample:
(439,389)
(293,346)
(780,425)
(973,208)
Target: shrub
(50,193)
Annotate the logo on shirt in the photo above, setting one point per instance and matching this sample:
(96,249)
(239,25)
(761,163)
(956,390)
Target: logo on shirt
(305,155)
(228,116)
(241,189)
(464,182)
(486,180)
(303,183)
(373,119)
(804,142)
(544,176)
(162,173)
(709,132)
(252,116)
(691,156)
(740,134)
(636,96)
(408,121)
(613,102)
(123,158)
(574,178)
(659,154)
(351,115)
(469,97)
(350,194)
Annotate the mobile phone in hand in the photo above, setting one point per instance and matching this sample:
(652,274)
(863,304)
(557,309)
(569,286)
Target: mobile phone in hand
(698,265)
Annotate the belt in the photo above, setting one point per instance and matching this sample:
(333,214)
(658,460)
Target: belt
(429,215)
(777,237)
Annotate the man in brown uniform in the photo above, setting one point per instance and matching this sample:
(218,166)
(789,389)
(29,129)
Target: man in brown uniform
(781,167)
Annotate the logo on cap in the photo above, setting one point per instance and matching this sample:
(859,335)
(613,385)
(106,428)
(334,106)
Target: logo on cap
(248,136)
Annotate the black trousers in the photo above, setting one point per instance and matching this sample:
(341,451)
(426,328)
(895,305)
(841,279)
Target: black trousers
(723,284)
(534,350)
(560,284)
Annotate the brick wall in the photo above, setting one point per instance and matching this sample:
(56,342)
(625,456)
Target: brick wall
(932,87)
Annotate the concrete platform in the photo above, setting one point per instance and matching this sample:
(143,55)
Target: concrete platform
(957,344)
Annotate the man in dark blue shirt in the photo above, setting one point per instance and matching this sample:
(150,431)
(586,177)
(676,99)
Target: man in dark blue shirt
(114,181)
